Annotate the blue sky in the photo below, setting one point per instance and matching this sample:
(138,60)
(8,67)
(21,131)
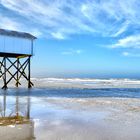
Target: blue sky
(79,38)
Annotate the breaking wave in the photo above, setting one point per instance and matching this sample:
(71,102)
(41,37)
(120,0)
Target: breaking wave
(86,83)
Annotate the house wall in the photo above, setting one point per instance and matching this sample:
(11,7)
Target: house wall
(9,44)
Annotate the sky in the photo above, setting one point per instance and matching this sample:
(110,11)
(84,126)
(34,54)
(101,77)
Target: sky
(79,38)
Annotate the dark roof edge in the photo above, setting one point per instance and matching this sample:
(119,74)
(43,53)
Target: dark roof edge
(16,34)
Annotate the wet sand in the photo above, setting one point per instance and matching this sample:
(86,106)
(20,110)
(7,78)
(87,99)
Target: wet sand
(68,118)
(92,119)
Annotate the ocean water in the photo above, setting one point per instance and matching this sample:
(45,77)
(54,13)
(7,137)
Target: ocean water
(75,92)
(86,83)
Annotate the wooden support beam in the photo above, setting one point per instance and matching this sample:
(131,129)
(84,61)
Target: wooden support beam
(22,73)
(19,71)
(29,73)
(5,83)
(17,79)
(1,66)
(8,70)
(15,72)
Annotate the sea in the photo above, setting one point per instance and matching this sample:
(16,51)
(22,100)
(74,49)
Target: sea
(74,92)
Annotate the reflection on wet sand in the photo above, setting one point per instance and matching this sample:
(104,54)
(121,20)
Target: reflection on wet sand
(15,123)
(69,114)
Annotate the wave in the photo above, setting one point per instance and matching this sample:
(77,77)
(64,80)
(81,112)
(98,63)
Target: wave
(86,82)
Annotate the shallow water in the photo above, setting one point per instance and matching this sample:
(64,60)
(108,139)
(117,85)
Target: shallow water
(76,92)
(70,114)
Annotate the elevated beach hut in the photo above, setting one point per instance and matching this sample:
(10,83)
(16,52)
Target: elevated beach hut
(15,45)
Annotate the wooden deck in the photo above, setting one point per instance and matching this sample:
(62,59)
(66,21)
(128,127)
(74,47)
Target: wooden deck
(13,55)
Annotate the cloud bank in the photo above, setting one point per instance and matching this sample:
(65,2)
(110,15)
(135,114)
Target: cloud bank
(60,19)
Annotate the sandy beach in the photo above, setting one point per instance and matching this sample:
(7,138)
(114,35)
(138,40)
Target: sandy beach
(56,117)
(93,119)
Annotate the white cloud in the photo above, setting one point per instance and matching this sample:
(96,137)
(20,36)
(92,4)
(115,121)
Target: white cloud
(12,24)
(79,51)
(125,53)
(58,35)
(61,18)
(72,52)
(7,23)
(130,54)
(122,29)
(128,42)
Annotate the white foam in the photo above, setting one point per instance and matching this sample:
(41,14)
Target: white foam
(85,82)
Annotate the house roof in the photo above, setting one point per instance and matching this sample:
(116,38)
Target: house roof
(16,34)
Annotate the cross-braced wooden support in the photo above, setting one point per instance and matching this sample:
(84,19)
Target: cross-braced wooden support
(19,71)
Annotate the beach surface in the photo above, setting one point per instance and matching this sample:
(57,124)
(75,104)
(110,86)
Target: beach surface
(74,114)
(92,119)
